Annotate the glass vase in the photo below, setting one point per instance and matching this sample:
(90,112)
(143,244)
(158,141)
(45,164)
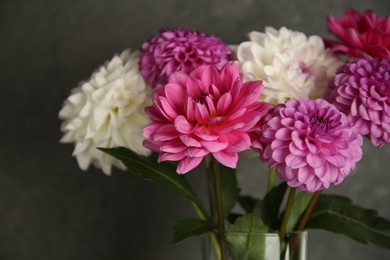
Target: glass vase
(257,246)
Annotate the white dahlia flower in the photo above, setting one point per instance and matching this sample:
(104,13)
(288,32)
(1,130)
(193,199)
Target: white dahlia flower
(289,64)
(107,111)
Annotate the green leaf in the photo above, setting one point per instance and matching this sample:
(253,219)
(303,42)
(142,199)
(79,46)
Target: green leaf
(337,214)
(162,174)
(246,239)
(191,227)
(299,206)
(271,206)
(247,203)
(229,188)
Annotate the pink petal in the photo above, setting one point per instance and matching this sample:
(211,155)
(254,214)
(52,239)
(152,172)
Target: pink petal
(176,95)
(204,133)
(227,159)
(295,162)
(167,109)
(173,147)
(196,152)
(182,125)
(214,146)
(229,74)
(170,157)
(224,103)
(165,132)
(189,141)
(337,160)
(315,160)
(201,113)
(210,76)
(304,174)
(188,163)
(283,134)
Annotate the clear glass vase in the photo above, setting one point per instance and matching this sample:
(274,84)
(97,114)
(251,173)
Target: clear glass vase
(257,246)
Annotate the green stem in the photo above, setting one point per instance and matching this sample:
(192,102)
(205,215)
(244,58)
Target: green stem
(302,222)
(214,241)
(271,179)
(209,178)
(308,211)
(286,215)
(221,218)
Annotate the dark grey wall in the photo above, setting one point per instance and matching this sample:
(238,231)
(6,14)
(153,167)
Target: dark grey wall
(49,209)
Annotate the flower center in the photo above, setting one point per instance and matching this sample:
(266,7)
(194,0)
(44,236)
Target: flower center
(202,98)
(304,68)
(319,123)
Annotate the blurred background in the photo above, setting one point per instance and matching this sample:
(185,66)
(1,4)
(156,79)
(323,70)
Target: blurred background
(49,208)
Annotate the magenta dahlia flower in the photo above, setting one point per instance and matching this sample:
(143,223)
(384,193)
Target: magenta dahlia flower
(310,142)
(179,49)
(360,33)
(361,89)
(207,111)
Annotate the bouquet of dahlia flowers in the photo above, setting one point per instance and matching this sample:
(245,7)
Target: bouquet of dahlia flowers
(187,98)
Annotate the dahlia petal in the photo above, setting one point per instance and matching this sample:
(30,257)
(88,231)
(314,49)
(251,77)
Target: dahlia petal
(194,87)
(166,109)
(227,159)
(294,149)
(279,144)
(204,133)
(363,112)
(164,132)
(178,78)
(182,125)
(210,76)
(196,152)
(374,116)
(170,157)
(280,155)
(201,113)
(224,103)
(336,160)
(296,138)
(295,162)
(176,95)
(315,160)
(173,147)
(304,173)
(230,74)
(214,146)
(237,142)
(376,131)
(189,141)
(283,134)
(187,164)
(312,146)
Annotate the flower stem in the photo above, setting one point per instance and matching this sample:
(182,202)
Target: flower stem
(271,179)
(286,215)
(302,222)
(221,219)
(209,178)
(308,211)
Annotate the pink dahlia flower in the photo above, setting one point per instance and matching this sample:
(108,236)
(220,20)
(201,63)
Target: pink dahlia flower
(310,142)
(179,49)
(361,89)
(360,33)
(207,111)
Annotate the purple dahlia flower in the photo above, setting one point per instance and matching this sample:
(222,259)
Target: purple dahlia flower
(179,49)
(361,89)
(311,144)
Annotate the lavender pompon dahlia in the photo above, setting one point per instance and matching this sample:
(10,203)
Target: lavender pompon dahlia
(361,89)
(311,144)
(179,49)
